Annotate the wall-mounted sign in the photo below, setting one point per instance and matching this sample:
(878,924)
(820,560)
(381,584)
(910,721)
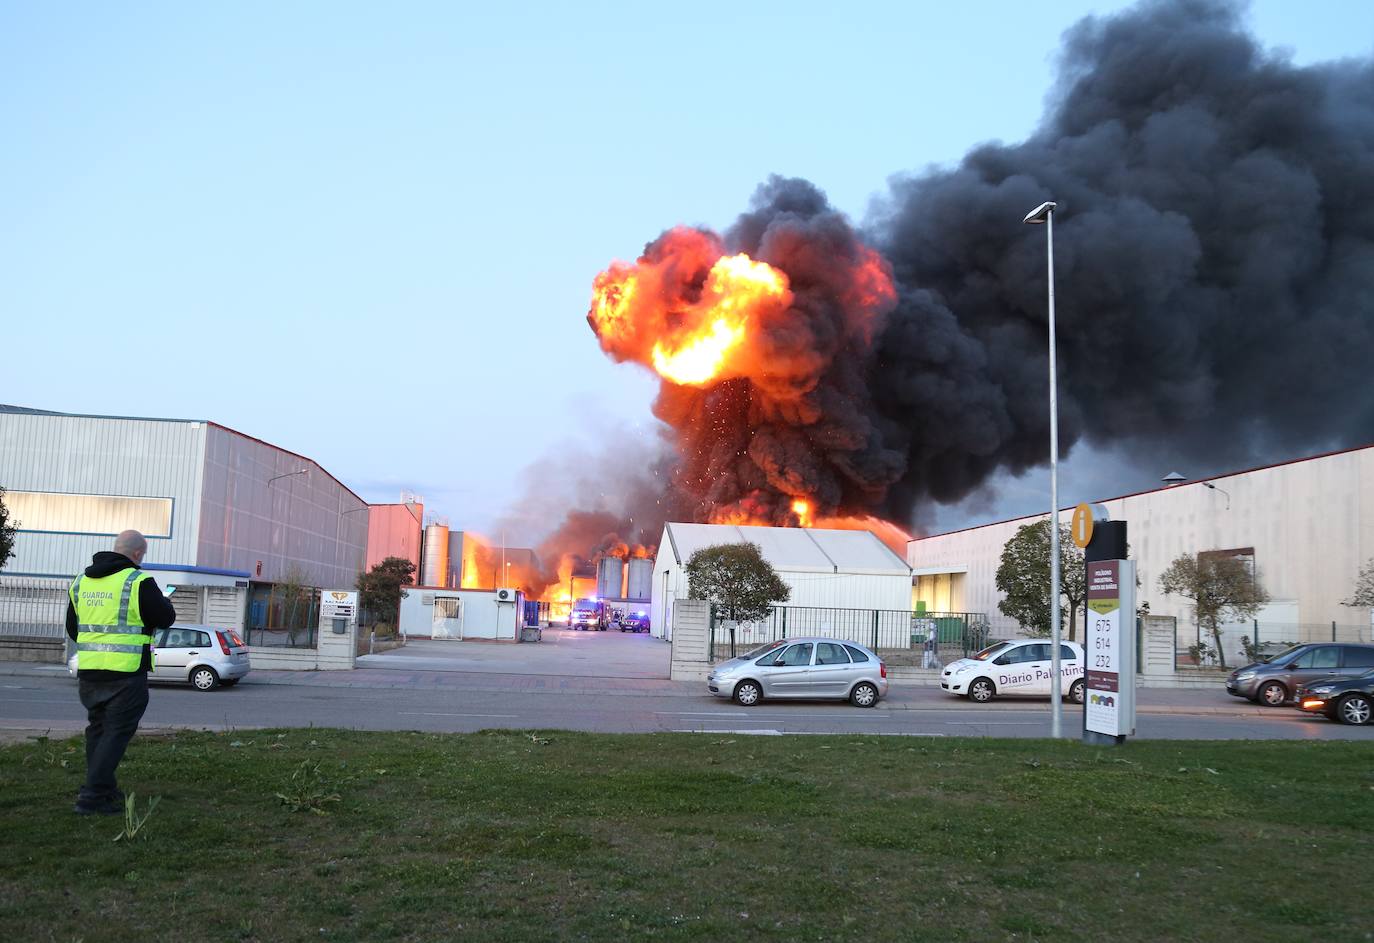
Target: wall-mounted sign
(337,604)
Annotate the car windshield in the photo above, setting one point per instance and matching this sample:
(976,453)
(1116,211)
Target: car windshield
(763,650)
(992,651)
(1282,655)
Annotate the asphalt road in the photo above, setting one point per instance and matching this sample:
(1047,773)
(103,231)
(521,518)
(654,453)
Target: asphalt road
(35,699)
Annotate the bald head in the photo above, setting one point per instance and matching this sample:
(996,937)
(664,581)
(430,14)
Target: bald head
(132,544)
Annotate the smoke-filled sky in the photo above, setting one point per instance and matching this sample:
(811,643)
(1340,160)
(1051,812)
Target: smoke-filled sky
(370,236)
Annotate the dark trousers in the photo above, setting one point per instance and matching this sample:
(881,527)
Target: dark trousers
(113,710)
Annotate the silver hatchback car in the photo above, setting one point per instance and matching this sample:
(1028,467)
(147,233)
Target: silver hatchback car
(802,668)
(205,656)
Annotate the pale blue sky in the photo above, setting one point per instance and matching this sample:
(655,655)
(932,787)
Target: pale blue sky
(367,232)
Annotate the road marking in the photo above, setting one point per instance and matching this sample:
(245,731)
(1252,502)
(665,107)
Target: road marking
(775,716)
(443,714)
(756,733)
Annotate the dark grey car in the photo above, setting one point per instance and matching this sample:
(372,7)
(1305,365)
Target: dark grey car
(1275,682)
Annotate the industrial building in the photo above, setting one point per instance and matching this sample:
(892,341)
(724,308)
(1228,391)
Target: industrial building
(395,530)
(225,514)
(1305,527)
(829,569)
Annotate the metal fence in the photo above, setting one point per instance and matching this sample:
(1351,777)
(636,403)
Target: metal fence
(901,636)
(32,607)
(1243,642)
(275,620)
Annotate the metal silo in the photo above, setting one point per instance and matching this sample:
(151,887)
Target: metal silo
(641,578)
(455,559)
(434,560)
(610,578)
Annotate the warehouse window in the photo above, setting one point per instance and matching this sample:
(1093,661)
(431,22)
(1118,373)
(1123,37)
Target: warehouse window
(49,512)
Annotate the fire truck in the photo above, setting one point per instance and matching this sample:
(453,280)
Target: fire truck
(588,615)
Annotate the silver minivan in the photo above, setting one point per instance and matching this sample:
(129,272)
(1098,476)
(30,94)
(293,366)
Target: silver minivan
(1274,682)
(204,655)
(819,668)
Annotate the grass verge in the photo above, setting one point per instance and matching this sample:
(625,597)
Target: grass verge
(517,836)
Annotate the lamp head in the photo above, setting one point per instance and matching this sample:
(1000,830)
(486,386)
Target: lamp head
(1039,214)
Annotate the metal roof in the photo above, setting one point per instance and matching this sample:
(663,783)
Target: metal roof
(795,549)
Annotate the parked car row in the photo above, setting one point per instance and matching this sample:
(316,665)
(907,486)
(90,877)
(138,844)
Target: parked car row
(205,656)
(1319,677)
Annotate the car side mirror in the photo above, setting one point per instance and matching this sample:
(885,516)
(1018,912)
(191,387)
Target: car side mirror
(1001,661)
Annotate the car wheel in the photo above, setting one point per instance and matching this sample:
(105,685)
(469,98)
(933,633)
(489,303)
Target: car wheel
(981,691)
(204,678)
(863,695)
(1273,694)
(748,693)
(1354,709)
(1078,692)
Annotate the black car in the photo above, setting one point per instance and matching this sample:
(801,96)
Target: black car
(634,622)
(1349,700)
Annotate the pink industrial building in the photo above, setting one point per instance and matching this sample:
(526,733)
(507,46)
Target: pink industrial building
(395,530)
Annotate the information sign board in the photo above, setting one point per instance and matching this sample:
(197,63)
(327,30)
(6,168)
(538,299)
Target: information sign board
(1109,649)
(337,604)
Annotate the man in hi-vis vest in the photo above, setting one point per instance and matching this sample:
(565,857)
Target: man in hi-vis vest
(113,609)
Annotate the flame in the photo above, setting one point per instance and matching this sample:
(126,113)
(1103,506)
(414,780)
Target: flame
(691,314)
(802,509)
(698,360)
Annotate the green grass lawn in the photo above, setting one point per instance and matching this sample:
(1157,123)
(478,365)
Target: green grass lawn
(505,836)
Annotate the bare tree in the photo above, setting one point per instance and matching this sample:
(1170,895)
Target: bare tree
(1221,587)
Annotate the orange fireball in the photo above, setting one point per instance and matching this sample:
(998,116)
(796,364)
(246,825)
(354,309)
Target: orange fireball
(687,310)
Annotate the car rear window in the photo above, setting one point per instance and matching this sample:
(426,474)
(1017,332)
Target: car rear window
(856,654)
(828,653)
(1359,656)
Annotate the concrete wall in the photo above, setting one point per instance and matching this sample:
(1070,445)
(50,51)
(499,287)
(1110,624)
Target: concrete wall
(691,626)
(1311,524)
(480,616)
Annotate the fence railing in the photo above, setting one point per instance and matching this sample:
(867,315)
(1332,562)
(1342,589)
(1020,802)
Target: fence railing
(901,636)
(280,622)
(32,607)
(1242,642)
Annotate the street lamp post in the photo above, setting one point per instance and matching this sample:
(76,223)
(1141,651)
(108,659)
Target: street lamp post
(1044,213)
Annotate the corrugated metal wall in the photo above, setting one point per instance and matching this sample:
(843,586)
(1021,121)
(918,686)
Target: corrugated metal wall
(309,521)
(97,455)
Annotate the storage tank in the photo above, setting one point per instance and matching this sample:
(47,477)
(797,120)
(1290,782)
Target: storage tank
(640,582)
(610,578)
(434,560)
(455,559)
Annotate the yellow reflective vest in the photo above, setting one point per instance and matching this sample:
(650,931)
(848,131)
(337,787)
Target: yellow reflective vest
(110,634)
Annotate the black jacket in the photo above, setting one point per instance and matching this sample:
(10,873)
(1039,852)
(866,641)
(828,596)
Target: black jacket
(154,608)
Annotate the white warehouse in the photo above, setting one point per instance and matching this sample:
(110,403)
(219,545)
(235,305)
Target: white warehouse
(1305,527)
(827,569)
(224,513)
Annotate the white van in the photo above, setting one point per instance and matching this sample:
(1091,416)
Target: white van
(1022,667)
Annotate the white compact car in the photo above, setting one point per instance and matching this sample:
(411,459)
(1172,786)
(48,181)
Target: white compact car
(205,656)
(1022,667)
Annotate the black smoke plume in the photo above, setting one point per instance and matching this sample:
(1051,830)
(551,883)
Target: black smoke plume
(1214,245)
